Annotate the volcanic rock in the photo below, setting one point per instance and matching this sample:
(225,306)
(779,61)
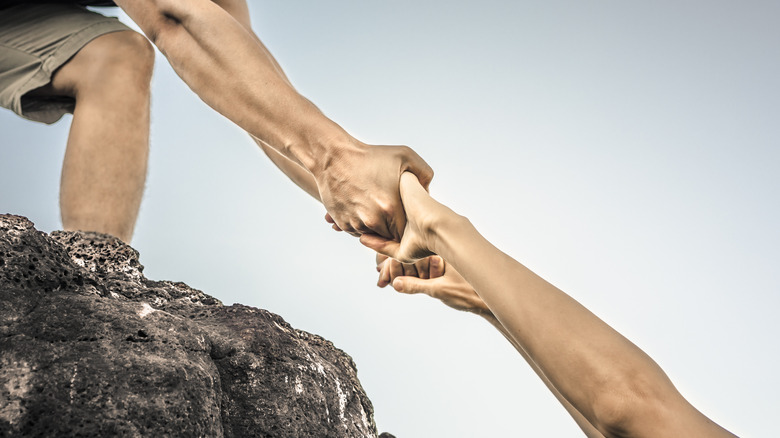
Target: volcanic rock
(91,347)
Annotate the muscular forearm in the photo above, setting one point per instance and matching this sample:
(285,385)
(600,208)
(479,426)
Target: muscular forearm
(301,177)
(222,60)
(227,66)
(295,172)
(239,10)
(617,387)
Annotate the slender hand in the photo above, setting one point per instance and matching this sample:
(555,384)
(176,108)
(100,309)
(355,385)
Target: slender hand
(389,269)
(441,281)
(618,388)
(220,59)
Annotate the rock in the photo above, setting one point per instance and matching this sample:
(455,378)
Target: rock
(91,347)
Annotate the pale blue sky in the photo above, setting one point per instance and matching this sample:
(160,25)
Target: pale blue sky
(627,152)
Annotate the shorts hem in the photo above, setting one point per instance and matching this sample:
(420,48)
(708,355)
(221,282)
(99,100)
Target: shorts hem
(50,64)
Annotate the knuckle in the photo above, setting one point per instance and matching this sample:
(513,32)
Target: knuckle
(386,207)
(371,223)
(346,226)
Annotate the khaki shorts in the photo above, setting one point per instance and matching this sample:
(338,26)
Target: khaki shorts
(35,40)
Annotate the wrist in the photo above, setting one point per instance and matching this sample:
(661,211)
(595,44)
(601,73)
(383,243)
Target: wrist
(319,152)
(442,234)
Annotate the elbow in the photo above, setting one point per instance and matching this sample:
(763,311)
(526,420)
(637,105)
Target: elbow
(159,19)
(613,413)
(161,30)
(630,408)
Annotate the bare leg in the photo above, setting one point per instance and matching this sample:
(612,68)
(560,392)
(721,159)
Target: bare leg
(104,170)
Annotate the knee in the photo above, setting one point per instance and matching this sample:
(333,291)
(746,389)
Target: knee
(136,51)
(119,60)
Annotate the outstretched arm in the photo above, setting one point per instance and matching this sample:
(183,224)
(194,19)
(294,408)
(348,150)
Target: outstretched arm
(239,10)
(230,69)
(448,286)
(618,388)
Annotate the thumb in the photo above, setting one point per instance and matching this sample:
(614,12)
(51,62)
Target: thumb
(435,267)
(420,169)
(379,244)
(412,285)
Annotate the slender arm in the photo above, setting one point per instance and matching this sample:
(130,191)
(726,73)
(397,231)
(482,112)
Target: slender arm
(445,284)
(589,430)
(618,388)
(614,384)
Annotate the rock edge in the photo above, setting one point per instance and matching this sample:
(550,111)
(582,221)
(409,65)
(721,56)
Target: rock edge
(90,347)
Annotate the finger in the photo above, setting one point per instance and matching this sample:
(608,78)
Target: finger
(411,187)
(435,266)
(423,266)
(329,219)
(347,229)
(396,269)
(381,259)
(380,244)
(384,276)
(396,223)
(412,285)
(420,168)
(344,226)
(396,218)
(378,226)
(353,229)
(410,270)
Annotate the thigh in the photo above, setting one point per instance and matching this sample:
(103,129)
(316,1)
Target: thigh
(35,41)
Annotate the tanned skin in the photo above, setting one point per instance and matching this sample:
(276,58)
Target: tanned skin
(212,48)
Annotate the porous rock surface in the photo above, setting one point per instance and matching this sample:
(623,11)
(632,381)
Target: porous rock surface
(90,347)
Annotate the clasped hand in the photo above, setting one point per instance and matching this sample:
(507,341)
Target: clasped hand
(360,189)
(424,272)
